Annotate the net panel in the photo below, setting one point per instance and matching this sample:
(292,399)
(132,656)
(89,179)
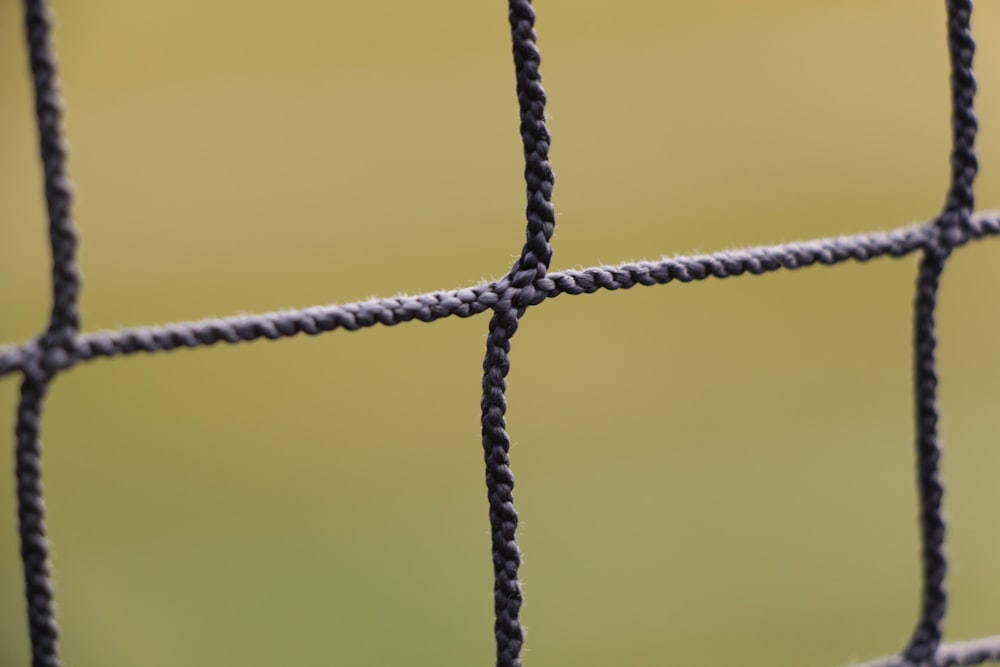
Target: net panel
(527,284)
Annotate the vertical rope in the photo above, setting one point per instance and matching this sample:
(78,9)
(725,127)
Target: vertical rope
(964,165)
(500,488)
(530,267)
(65,318)
(64,322)
(537,252)
(42,628)
(951,226)
(928,632)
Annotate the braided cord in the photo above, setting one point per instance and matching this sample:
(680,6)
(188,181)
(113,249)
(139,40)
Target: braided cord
(42,627)
(927,634)
(537,252)
(528,283)
(950,227)
(528,270)
(964,165)
(500,491)
(64,322)
(956,654)
(471,301)
(65,318)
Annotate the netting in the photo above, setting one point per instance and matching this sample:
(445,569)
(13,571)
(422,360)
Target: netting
(527,284)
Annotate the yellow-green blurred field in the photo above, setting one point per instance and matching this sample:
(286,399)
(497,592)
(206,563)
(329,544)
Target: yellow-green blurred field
(715,473)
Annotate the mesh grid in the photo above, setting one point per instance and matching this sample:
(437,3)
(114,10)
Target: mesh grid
(527,284)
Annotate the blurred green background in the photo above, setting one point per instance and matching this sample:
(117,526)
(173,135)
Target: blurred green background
(715,473)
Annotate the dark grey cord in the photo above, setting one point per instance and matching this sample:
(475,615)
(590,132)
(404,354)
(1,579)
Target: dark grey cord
(61,346)
(529,268)
(956,654)
(927,634)
(470,301)
(64,322)
(500,490)
(950,228)
(42,627)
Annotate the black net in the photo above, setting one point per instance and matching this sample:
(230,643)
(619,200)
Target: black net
(527,284)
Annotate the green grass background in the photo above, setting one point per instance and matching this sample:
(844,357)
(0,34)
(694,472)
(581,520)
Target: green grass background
(714,473)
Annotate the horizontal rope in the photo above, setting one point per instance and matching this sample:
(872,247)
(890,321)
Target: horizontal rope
(955,654)
(498,295)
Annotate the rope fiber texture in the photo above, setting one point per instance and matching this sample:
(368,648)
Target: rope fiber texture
(61,346)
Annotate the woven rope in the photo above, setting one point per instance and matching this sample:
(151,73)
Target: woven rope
(61,346)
